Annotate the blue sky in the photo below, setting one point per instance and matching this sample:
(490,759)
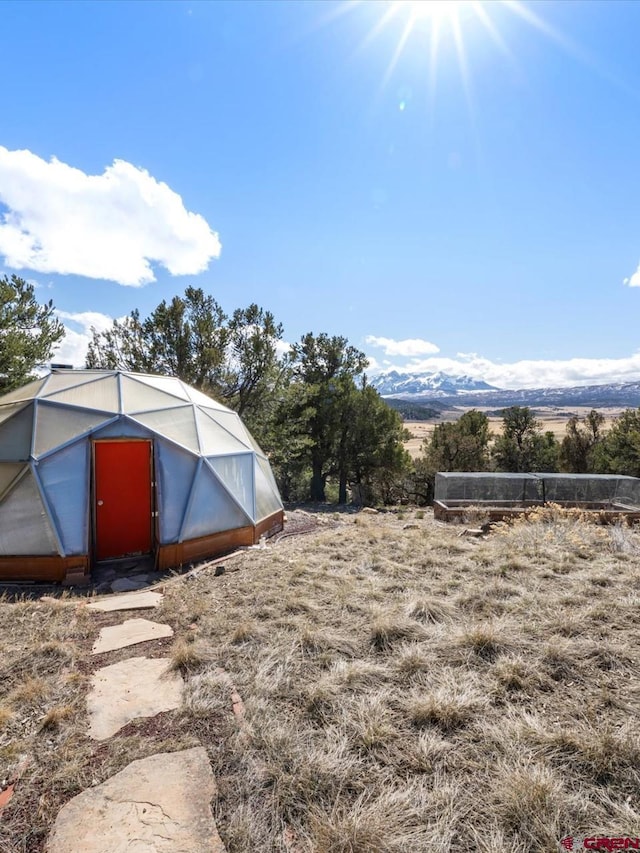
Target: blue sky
(473,209)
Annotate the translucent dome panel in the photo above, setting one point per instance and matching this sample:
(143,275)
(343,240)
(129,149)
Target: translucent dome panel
(56,425)
(175,470)
(141,397)
(16,427)
(214,439)
(231,423)
(69,379)
(211,509)
(101,394)
(168,384)
(65,480)
(178,424)
(24,524)
(267,501)
(268,473)
(8,473)
(123,427)
(202,400)
(236,473)
(25,393)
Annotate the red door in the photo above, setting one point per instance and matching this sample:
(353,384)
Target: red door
(123,498)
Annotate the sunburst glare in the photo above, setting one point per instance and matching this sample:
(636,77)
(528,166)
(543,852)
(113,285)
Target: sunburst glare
(428,24)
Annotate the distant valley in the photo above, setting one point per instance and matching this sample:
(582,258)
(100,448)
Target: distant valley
(440,391)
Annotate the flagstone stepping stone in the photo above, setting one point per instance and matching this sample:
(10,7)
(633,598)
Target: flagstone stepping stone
(132,688)
(127,601)
(128,634)
(159,804)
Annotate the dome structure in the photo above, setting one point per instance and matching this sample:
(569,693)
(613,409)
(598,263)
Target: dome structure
(98,465)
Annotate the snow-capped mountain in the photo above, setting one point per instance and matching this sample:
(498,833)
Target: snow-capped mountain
(428,385)
(465,391)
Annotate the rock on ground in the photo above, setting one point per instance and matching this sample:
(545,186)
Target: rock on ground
(159,804)
(128,634)
(132,688)
(127,601)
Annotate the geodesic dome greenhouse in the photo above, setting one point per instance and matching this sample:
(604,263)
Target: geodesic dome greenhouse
(98,465)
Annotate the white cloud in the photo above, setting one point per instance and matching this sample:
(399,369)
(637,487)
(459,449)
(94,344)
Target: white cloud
(408,348)
(73,349)
(634,280)
(373,364)
(282,348)
(112,226)
(88,319)
(531,373)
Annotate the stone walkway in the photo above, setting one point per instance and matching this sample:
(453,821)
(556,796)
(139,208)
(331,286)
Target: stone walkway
(160,804)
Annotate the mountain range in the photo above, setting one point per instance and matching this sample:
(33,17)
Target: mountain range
(465,391)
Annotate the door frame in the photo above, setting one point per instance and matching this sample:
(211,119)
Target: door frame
(153,520)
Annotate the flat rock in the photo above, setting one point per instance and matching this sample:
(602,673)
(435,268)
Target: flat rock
(159,804)
(128,601)
(128,634)
(129,584)
(132,688)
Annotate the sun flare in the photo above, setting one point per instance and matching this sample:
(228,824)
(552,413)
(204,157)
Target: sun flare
(432,10)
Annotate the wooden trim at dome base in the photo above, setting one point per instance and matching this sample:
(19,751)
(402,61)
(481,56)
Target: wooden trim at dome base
(177,554)
(270,526)
(75,571)
(71,571)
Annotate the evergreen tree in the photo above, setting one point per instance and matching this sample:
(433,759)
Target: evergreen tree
(377,461)
(579,448)
(462,445)
(29,332)
(619,452)
(518,447)
(323,370)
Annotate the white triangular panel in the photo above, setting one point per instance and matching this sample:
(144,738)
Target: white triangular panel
(65,480)
(167,384)
(101,394)
(62,381)
(232,423)
(268,473)
(175,470)
(202,399)
(177,424)
(211,509)
(123,427)
(214,439)
(16,426)
(26,392)
(25,527)
(9,471)
(9,410)
(140,397)
(56,425)
(236,473)
(267,501)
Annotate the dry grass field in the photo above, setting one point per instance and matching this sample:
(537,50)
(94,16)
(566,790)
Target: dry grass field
(551,419)
(405,688)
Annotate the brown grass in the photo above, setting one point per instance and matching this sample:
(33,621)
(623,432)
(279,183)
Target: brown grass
(403,690)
